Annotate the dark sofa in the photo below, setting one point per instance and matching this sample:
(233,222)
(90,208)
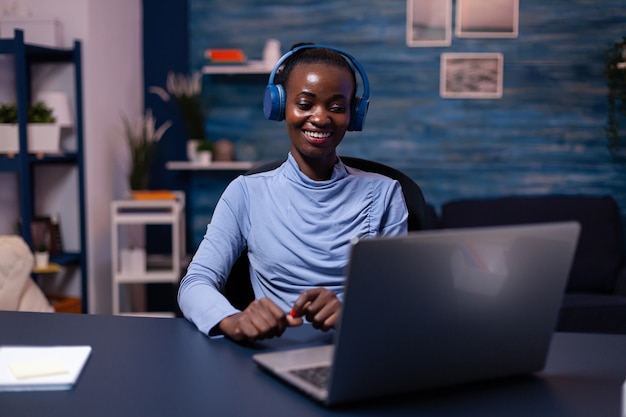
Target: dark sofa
(595,298)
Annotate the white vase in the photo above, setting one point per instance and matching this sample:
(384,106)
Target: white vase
(192,153)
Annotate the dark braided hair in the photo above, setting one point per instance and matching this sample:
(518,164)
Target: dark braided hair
(313,56)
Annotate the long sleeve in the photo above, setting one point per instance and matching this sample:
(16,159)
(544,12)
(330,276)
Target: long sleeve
(297,232)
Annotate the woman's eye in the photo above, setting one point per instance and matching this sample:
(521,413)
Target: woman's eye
(338,108)
(304,106)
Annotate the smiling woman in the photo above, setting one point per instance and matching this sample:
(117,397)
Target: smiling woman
(296,221)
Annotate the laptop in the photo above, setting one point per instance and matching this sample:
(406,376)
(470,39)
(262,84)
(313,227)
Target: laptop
(438,308)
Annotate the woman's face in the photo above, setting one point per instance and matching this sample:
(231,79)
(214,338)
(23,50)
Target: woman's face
(317,112)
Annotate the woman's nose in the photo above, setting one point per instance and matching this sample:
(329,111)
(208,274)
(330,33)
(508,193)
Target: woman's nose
(319,115)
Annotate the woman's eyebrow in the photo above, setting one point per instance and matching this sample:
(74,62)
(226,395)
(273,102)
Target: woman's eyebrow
(310,94)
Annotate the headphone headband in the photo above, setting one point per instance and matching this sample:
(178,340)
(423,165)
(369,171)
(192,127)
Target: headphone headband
(274,98)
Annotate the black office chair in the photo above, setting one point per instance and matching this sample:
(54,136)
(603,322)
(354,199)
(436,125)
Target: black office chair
(238,289)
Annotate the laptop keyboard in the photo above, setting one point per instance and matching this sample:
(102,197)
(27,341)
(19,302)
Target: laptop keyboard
(317,376)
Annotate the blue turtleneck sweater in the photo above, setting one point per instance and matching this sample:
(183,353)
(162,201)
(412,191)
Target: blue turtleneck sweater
(297,232)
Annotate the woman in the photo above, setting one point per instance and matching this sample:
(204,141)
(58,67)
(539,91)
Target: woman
(296,221)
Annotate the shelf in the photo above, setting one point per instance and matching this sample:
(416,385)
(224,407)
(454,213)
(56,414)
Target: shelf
(66,258)
(251,67)
(213,166)
(37,53)
(152,277)
(23,164)
(51,268)
(10,162)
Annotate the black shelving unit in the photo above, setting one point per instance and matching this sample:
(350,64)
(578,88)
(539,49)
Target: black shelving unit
(23,164)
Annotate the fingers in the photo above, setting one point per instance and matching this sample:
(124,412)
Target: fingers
(319,306)
(262,319)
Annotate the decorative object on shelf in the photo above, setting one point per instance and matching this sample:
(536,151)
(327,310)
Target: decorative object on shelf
(204,152)
(271,52)
(192,149)
(41,229)
(45,232)
(142,137)
(224,150)
(42,257)
(133,261)
(615,74)
(154,195)
(43,132)
(225,55)
(233,61)
(187,93)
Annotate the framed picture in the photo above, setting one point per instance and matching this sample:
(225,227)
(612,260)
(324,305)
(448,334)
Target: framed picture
(428,23)
(466,75)
(487,18)
(45,234)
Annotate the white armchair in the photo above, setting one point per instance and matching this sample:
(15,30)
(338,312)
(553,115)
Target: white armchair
(18,292)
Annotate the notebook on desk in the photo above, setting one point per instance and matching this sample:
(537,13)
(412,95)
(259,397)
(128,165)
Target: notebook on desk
(438,308)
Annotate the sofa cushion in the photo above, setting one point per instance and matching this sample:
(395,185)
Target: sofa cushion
(599,253)
(18,291)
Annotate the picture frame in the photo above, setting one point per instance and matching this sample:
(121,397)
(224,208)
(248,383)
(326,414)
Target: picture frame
(471,75)
(428,23)
(487,18)
(45,234)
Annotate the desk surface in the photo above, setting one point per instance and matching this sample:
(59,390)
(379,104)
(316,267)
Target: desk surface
(165,367)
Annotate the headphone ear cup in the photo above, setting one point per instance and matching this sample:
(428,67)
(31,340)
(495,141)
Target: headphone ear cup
(359,110)
(274,102)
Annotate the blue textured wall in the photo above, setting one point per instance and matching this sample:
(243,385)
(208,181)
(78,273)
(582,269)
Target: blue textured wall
(545,135)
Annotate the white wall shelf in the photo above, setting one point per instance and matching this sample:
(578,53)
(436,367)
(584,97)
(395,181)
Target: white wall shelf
(252,67)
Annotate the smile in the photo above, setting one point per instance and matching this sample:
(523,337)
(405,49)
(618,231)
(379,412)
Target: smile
(317,135)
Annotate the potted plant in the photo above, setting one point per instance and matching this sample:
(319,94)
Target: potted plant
(44,136)
(42,256)
(142,137)
(204,152)
(8,129)
(187,93)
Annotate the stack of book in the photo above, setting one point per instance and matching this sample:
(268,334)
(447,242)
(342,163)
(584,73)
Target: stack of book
(225,56)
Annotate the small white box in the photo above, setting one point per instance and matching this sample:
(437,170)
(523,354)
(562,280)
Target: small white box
(133,261)
(45,32)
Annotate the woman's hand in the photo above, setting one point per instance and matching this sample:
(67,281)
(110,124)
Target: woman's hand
(319,306)
(262,319)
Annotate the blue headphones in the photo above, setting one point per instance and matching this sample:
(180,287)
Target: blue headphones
(274,98)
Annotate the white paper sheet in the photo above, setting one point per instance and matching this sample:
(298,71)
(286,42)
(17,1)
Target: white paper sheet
(41,367)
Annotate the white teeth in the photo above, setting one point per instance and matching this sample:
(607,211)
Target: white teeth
(318,135)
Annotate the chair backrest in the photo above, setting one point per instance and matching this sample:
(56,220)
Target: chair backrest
(238,288)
